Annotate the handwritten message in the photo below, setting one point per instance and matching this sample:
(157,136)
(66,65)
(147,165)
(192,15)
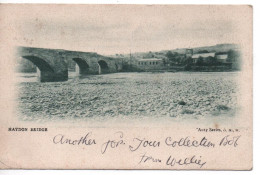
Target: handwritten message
(118,140)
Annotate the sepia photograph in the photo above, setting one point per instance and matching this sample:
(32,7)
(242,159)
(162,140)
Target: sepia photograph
(126,86)
(146,67)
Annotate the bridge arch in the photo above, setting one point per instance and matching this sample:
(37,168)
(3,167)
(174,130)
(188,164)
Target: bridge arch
(83,65)
(103,67)
(48,72)
(40,63)
(54,64)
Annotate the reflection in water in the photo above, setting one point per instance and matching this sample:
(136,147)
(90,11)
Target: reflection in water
(26,77)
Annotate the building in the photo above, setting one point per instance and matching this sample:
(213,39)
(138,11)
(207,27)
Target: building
(189,53)
(222,58)
(204,56)
(150,64)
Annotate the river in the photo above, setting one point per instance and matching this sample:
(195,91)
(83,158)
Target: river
(177,95)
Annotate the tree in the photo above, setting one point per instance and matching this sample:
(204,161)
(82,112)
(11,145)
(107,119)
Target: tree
(233,56)
(212,60)
(200,61)
(165,61)
(175,54)
(188,64)
(188,61)
(183,60)
(203,51)
(169,55)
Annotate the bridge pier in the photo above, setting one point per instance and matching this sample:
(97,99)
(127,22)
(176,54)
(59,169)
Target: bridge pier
(48,76)
(53,63)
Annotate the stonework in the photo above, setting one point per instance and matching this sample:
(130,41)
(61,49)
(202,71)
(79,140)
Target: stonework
(53,63)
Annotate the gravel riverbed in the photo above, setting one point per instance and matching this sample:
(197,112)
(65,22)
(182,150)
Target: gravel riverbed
(132,95)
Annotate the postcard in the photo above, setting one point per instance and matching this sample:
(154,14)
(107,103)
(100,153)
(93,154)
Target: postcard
(126,87)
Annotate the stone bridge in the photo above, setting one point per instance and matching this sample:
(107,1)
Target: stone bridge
(53,63)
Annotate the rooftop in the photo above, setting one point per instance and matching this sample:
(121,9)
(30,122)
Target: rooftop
(203,55)
(222,56)
(150,59)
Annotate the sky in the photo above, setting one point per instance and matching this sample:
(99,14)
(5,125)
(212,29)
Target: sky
(112,29)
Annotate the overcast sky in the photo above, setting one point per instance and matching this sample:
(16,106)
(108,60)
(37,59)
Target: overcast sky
(118,29)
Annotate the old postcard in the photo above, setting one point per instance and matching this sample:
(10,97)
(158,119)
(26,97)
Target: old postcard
(126,87)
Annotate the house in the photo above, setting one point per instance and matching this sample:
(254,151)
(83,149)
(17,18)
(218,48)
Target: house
(150,64)
(189,53)
(204,56)
(222,58)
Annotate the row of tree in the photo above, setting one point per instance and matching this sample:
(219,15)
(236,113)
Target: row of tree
(174,58)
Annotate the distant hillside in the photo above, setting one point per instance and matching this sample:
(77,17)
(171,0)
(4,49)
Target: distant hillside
(162,54)
(216,48)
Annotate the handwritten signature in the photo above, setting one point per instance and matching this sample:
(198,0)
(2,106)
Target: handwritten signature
(172,161)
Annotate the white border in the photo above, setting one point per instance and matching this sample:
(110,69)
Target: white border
(131,1)
(256,88)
